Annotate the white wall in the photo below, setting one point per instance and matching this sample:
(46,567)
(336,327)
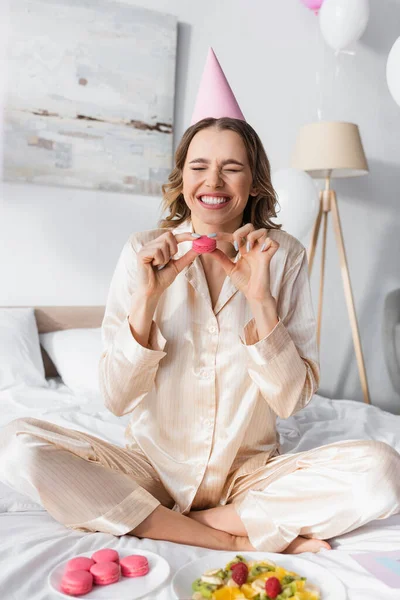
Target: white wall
(60,246)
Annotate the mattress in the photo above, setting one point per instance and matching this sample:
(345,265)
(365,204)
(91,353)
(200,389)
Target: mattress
(32,542)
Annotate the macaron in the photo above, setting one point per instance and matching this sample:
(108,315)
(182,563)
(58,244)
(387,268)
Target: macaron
(204,245)
(106,555)
(134,565)
(76,583)
(79,563)
(105,573)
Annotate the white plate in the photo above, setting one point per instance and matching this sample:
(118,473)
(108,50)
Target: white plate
(331,587)
(127,588)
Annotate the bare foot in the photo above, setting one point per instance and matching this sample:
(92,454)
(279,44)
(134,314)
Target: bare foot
(302,544)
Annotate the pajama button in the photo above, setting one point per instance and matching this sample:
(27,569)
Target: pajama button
(212,329)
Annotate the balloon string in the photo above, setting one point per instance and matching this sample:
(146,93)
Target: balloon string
(318,73)
(337,71)
(338,64)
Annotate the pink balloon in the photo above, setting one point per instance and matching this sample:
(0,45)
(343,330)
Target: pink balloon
(314,5)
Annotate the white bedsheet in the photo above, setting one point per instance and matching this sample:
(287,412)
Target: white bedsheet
(32,542)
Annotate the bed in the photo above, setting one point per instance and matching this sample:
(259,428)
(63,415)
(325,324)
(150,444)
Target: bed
(32,542)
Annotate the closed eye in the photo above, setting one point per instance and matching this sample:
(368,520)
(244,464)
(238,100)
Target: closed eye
(231,170)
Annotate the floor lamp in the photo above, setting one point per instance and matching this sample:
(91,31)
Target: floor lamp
(327,150)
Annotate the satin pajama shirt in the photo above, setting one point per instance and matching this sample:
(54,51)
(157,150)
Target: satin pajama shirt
(203,399)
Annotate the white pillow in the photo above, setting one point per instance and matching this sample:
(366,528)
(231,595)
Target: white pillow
(76,355)
(20,357)
(13,501)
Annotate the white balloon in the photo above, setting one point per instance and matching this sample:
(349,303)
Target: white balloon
(393,71)
(298,199)
(343,22)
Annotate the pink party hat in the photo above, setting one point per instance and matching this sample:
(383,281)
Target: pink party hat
(215,97)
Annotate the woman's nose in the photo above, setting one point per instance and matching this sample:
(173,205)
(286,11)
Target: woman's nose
(213,178)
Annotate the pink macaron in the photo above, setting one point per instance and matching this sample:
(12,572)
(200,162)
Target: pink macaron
(204,245)
(134,565)
(76,583)
(105,573)
(106,555)
(80,563)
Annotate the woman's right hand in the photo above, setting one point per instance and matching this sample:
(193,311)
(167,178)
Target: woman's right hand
(152,281)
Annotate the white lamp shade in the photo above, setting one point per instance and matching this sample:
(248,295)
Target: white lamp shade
(330,149)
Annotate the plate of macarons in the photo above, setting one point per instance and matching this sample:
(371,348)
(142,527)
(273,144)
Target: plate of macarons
(109,575)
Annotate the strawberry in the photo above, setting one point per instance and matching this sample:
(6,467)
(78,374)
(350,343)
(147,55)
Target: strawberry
(234,565)
(240,572)
(273,587)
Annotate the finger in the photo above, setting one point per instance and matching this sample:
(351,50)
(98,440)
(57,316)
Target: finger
(172,244)
(185,237)
(258,236)
(266,245)
(239,236)
(269,247)
(170,247)
(183,261)
(244,230)
(268,250)
(155,252)
(161,255)
(223,236)
(223,259)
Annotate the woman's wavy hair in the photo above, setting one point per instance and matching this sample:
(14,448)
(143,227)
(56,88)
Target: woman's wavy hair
(259,209)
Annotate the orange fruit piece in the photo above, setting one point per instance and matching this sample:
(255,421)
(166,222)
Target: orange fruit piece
(227,593)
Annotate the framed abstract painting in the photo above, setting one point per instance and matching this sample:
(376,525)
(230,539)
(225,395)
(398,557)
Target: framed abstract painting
(90,95)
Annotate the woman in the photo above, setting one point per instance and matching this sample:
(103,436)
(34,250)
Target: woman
(204,352)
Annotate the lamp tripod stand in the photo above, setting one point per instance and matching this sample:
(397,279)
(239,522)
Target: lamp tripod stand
(328,203)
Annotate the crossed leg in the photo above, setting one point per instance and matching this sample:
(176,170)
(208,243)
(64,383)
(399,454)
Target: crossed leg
(91,485)
(320,493)
(225,518)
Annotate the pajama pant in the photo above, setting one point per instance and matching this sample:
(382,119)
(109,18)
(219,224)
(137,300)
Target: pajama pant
(88,484)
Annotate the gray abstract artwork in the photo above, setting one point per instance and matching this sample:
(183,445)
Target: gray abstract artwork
(90,95)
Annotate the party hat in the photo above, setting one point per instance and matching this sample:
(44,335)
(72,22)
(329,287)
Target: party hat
(215,97)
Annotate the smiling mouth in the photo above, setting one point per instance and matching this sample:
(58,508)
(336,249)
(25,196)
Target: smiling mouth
(214,203)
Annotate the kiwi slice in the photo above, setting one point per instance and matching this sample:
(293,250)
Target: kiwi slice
(206,590)
(238,558)
(196,585)
(258,569)
(222,573)
(287,579)
(287,593)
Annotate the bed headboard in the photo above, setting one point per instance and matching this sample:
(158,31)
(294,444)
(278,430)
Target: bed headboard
(55,318)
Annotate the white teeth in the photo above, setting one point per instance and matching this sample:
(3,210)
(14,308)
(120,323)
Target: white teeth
(212,200)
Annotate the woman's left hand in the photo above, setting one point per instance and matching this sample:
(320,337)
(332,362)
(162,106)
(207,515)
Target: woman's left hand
(250,274)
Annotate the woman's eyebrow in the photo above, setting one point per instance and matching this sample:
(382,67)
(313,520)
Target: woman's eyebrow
(224,162)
